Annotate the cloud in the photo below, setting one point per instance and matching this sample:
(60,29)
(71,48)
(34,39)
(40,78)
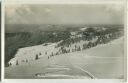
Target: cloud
(64,14)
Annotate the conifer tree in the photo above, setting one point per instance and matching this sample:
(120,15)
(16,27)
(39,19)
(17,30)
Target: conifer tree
(36,57)
(26,60)
(10,64)
(46,53)
(17,63)
(40,54)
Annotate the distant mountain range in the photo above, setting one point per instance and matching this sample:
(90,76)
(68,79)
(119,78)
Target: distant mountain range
(10,28)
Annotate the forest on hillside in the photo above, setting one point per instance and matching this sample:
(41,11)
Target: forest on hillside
(16,40)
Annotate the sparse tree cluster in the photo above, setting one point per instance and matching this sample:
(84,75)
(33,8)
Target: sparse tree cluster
(17,62)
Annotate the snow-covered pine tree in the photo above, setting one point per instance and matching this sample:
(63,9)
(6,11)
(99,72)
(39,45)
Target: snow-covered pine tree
(79,49)
(46,53)
(26,60)
(37,57)
(39,53)
(10,64)
(17,63)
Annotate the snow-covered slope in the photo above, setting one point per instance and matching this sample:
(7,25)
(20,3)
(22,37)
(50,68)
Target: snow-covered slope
(112,49)
(102,61)
(28,54)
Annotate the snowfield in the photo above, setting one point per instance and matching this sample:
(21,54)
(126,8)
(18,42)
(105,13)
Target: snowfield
(29,53)
(101,62)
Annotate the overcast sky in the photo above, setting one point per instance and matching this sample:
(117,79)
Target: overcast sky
(64,14)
